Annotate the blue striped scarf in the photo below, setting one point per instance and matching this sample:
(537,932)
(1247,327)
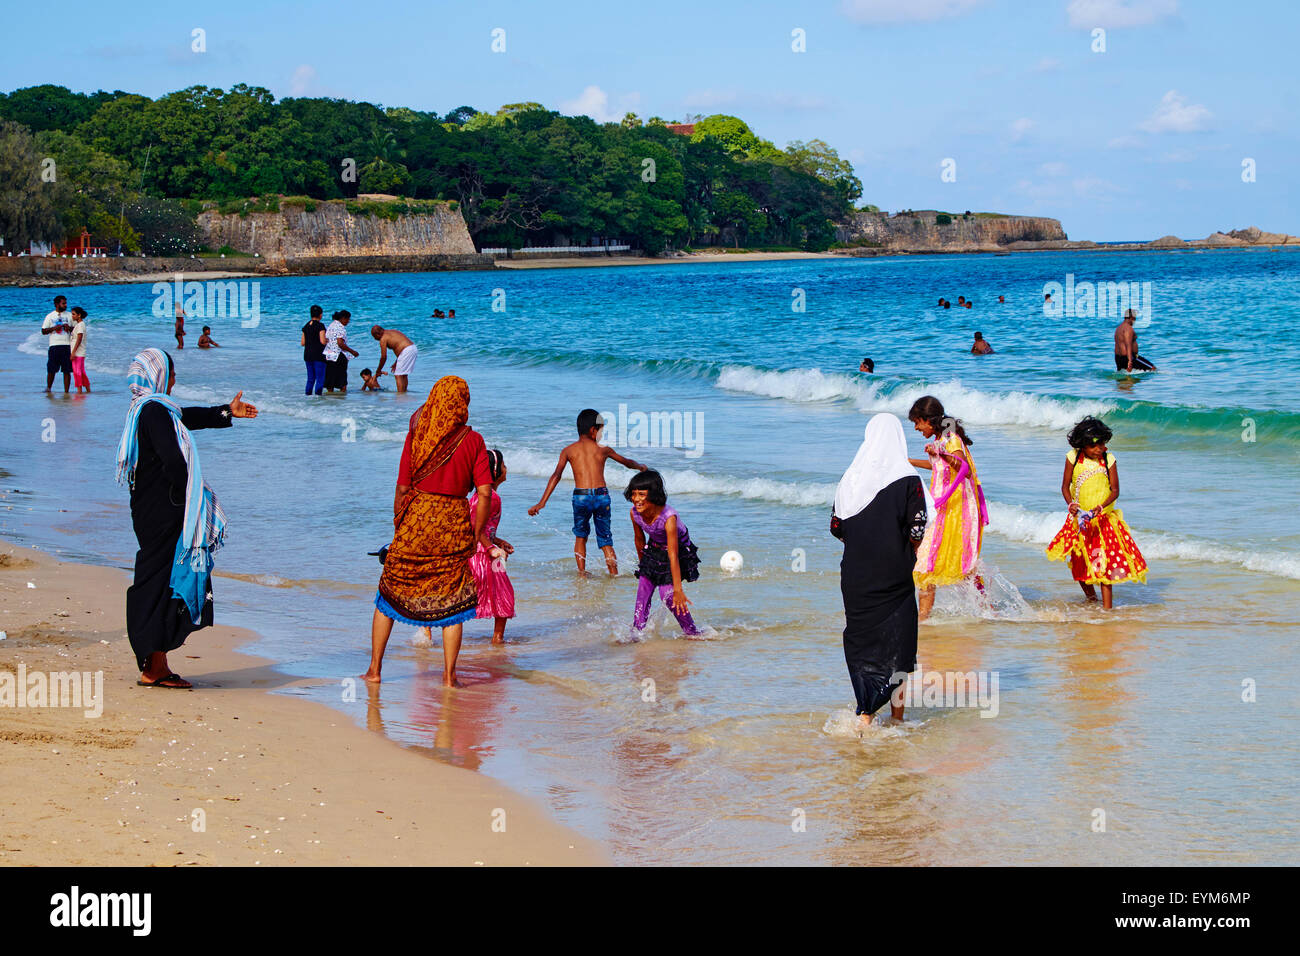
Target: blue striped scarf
(204,527)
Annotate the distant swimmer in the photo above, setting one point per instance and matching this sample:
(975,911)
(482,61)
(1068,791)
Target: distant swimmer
(867,366)
(404,352)
(947,304)
(206,341)
(980,346)
(961,302)
(1127,358)
(970,304)
(1002,298)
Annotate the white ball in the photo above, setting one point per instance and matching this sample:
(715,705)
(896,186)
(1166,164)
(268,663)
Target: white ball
(732,561)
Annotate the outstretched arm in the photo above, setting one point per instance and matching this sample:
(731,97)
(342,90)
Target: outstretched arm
(554,480)
(625,462)
(383,357)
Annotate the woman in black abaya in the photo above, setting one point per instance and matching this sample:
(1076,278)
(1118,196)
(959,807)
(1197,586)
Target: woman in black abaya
(880,516)
(177,519)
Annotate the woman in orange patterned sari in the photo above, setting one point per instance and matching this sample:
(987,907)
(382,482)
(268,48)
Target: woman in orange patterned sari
(427,580)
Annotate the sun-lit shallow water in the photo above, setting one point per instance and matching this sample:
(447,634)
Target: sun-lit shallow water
(740,748)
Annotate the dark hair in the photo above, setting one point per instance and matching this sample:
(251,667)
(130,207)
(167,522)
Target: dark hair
(317,311)
(946,304)
(979,335)
(1089,431)
(871,366)
(652,483)
(60,298)
(927,408)
(342,314)
(78,310)
(365,373)
(588,419)
(496,463)
(207,328)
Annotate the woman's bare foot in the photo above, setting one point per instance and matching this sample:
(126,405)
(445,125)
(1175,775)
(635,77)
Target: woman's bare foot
(498,639)
(449,680)
(371,677)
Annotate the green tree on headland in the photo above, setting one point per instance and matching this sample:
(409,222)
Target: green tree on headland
(521,175)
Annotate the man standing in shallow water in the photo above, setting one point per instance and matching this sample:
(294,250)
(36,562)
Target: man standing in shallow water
(404,354)
(1126,347)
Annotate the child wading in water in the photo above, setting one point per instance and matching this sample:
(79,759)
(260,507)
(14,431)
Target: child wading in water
(667,556)
(950,551)
(496,595)
(1095,539)
(587,457)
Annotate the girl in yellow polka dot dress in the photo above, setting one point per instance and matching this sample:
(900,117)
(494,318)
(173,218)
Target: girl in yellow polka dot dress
(1095,539)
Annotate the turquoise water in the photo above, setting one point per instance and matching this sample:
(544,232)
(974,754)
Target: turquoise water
(1114,712)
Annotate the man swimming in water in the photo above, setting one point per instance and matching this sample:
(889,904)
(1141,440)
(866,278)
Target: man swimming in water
(980,346)
(1127,358)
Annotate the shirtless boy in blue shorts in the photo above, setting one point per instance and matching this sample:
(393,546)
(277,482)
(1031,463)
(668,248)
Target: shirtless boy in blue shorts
(590,496)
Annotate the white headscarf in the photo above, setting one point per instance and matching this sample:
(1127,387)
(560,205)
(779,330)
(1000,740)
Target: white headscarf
(880,461)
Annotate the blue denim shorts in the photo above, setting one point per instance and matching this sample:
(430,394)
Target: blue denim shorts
(589,503)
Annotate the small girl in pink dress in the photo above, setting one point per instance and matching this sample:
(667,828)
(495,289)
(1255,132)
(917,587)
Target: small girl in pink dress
(496,595)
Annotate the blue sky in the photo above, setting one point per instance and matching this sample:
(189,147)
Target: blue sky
(1144,139)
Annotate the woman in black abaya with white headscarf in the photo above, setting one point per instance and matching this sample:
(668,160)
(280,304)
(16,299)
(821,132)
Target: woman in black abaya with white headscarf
(880,516)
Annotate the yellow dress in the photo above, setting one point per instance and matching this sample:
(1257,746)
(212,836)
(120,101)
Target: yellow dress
(950,551)
(1103,551)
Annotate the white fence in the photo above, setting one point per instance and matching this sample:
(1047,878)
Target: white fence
(551,250)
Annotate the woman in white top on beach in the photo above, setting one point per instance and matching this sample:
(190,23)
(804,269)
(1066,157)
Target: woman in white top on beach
(79,377)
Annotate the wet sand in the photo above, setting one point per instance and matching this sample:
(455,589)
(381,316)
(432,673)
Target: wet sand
(227,773)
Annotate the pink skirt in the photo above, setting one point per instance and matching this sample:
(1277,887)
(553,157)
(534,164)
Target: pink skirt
(496,595)
(79,378)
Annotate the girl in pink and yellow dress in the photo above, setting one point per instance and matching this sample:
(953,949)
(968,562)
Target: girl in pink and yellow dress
(496,595)
(950,551)
(1095,539)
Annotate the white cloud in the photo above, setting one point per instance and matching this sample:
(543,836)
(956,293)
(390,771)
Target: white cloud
(902,11)
(1020,128)
(1087,14)
(303,81)
(1176,115)
(593,102)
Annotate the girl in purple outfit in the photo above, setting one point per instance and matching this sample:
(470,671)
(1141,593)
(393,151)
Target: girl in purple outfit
(667,556)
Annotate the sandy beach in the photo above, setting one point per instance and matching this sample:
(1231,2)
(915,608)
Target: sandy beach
(225,774)
(697,258)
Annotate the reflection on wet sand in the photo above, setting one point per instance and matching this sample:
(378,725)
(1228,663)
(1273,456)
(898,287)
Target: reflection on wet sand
(455,725)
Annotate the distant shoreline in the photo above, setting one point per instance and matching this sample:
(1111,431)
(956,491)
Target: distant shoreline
(93,276)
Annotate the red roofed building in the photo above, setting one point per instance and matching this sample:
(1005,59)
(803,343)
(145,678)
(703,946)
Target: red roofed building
(682,129)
